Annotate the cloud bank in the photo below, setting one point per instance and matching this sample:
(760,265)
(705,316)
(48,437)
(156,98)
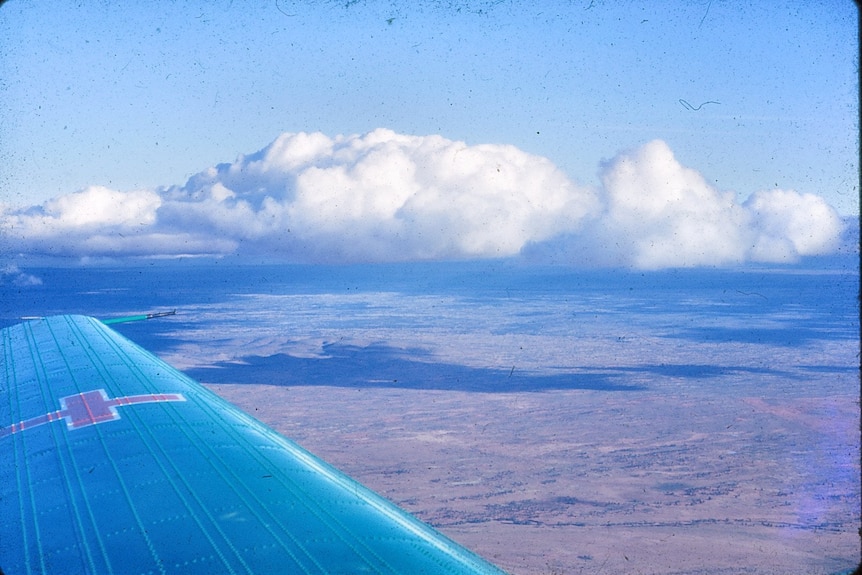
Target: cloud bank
(11,275)
(384,196)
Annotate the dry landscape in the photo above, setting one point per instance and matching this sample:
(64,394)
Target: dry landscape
(585,481)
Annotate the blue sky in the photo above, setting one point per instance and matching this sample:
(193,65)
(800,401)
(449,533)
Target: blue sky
(135,97)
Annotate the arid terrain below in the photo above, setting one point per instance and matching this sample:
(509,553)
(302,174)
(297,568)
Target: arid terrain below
(584,481)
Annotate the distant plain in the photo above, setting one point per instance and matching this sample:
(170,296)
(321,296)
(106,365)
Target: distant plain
(552,420)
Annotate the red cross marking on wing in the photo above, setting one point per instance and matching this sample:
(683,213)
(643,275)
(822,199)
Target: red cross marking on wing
(88,408)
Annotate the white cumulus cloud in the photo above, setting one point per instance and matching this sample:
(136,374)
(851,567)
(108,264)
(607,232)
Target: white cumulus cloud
(659,213)
(384,196)
(76,223)
(662,214)
(10,274)
(381,196)
(788,224)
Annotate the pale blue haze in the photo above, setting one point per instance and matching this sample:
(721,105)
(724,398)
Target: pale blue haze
(132,95)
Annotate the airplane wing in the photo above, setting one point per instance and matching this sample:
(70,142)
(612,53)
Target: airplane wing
(115,462)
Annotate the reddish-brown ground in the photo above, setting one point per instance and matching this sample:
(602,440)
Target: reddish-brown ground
(581,481)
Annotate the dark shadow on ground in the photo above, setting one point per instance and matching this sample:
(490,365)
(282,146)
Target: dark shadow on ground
(386,367)
(790,336)
(383,366)
(699,371)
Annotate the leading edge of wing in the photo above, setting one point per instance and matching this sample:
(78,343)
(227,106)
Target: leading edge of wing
(119,463)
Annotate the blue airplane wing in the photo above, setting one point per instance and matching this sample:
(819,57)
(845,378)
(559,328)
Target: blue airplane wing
(115,462)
